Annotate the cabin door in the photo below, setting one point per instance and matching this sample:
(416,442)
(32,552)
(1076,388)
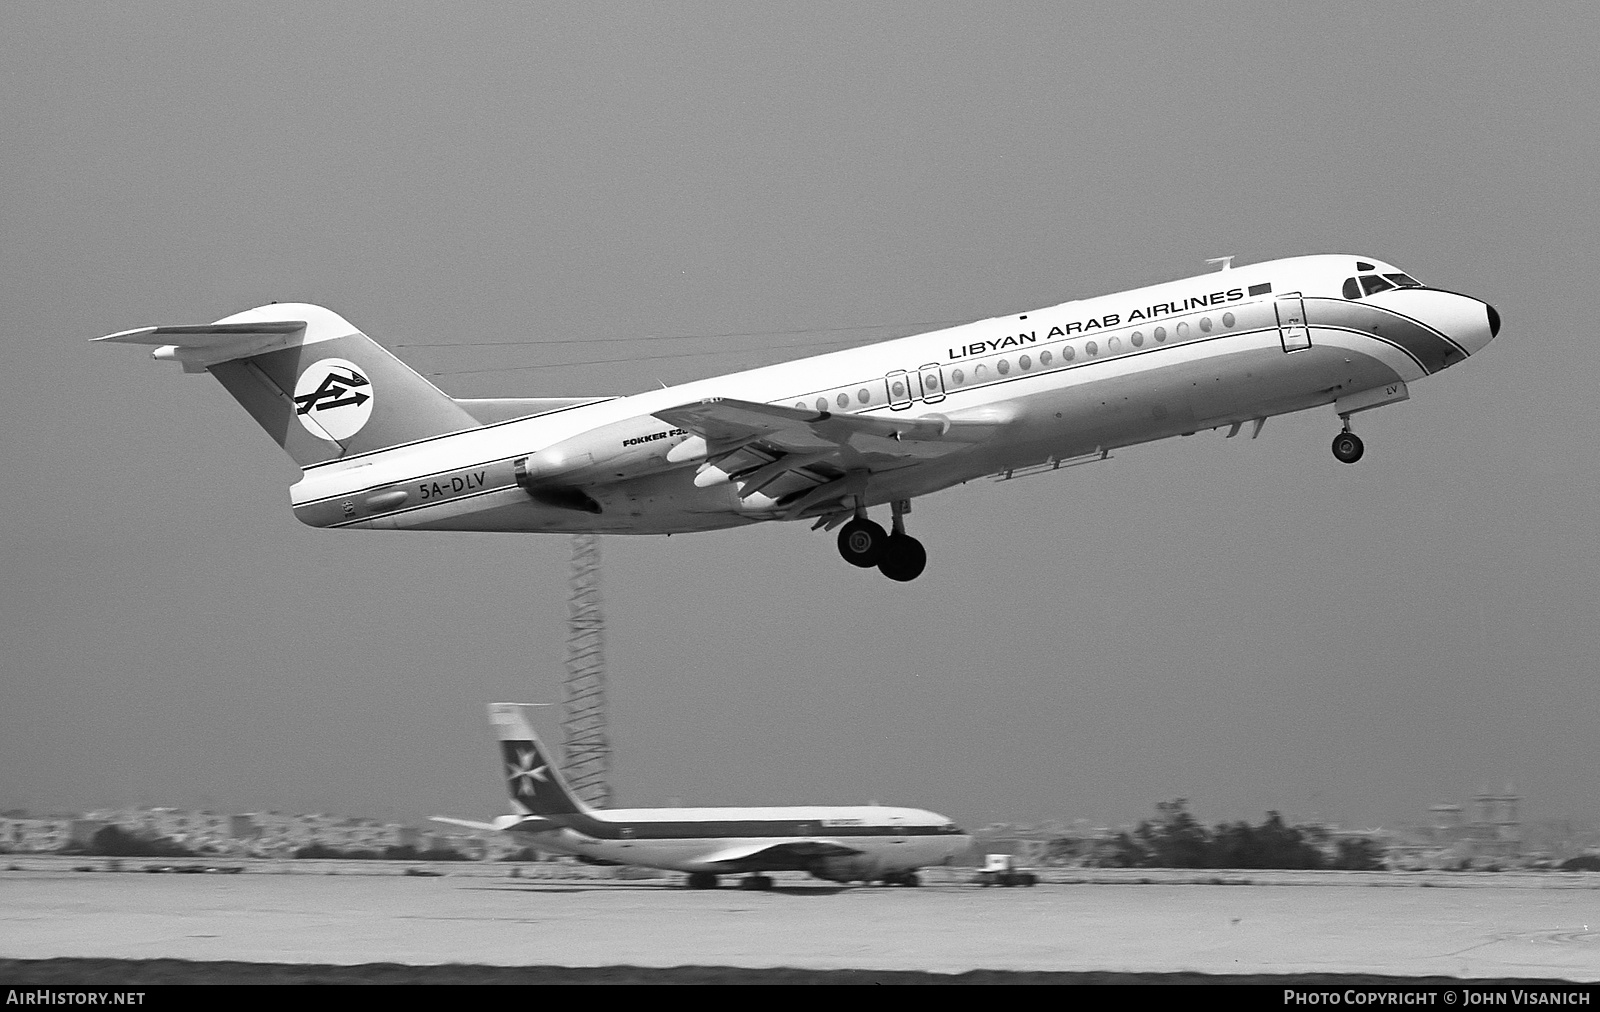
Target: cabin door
(1292,329)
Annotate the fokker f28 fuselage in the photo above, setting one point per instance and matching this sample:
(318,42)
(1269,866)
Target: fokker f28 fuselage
(827,437)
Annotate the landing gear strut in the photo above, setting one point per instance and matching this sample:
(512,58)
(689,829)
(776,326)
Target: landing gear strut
(1347,446)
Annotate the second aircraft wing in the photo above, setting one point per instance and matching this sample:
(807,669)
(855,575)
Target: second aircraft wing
(777,856)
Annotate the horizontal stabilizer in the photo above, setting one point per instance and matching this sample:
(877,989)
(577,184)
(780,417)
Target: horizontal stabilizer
(201,346)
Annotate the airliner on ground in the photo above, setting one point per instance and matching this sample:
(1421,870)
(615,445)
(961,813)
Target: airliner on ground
(825,438)
(866,843)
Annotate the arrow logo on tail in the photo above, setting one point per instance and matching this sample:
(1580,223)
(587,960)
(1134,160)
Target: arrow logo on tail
(330,393)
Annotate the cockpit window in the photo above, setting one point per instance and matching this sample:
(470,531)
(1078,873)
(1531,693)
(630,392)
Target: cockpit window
(1372,284)
(1404,280)
(1351,289)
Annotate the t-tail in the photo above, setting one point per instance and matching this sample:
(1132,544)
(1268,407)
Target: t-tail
(322,389)
(535,783)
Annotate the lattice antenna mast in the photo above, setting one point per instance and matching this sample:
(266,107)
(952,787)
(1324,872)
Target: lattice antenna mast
(588,750)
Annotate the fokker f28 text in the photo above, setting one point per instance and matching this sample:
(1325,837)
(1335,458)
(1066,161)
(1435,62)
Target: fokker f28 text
(828,437)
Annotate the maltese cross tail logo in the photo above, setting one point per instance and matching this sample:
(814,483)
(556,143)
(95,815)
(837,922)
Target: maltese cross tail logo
(330,393)
(528,768)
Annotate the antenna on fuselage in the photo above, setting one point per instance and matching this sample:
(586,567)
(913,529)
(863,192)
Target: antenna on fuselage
(1226,262)
(587,760)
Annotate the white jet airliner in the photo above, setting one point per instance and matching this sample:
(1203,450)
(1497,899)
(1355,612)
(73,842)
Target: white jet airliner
(842,844)
(825,438)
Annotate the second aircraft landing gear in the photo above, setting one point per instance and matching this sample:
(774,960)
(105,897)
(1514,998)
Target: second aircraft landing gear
(898,555)
(702,880)
(760,883)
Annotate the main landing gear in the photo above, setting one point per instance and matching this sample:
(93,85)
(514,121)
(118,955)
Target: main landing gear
(898,555)
(708,880)
(1347,446)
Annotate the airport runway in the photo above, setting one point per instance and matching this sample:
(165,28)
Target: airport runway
(1484,930)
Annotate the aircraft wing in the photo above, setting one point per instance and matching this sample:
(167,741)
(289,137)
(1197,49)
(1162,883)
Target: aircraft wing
(815,458)
(777,856)
(502,823)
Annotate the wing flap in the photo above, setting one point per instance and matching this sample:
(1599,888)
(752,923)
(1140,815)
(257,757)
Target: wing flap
(729,422)
(807,458)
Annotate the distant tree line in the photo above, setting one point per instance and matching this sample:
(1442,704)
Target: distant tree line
(1176,839)
(114,841)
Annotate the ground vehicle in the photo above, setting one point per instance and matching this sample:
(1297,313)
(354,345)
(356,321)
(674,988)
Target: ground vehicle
(1001,869)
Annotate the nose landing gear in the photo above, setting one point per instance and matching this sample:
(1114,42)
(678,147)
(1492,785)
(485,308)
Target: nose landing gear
(898,555)
(1347,446)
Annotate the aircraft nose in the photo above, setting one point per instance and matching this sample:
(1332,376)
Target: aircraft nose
(1494,321)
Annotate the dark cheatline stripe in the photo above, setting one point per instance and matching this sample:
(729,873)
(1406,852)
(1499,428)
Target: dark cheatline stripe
(777,828)
(1432,350)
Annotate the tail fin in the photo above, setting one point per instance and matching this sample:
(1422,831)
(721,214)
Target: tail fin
(321,388)
(536,785)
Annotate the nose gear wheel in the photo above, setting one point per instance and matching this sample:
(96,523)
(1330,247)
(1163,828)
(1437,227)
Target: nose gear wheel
(1347,446)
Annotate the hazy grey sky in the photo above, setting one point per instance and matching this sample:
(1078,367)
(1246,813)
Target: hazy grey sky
(1251,625)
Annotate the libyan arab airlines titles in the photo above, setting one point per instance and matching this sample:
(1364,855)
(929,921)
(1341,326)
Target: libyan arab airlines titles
(1098,323)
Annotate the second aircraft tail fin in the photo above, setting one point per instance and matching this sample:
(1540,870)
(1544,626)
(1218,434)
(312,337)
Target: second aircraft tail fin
(536,784)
